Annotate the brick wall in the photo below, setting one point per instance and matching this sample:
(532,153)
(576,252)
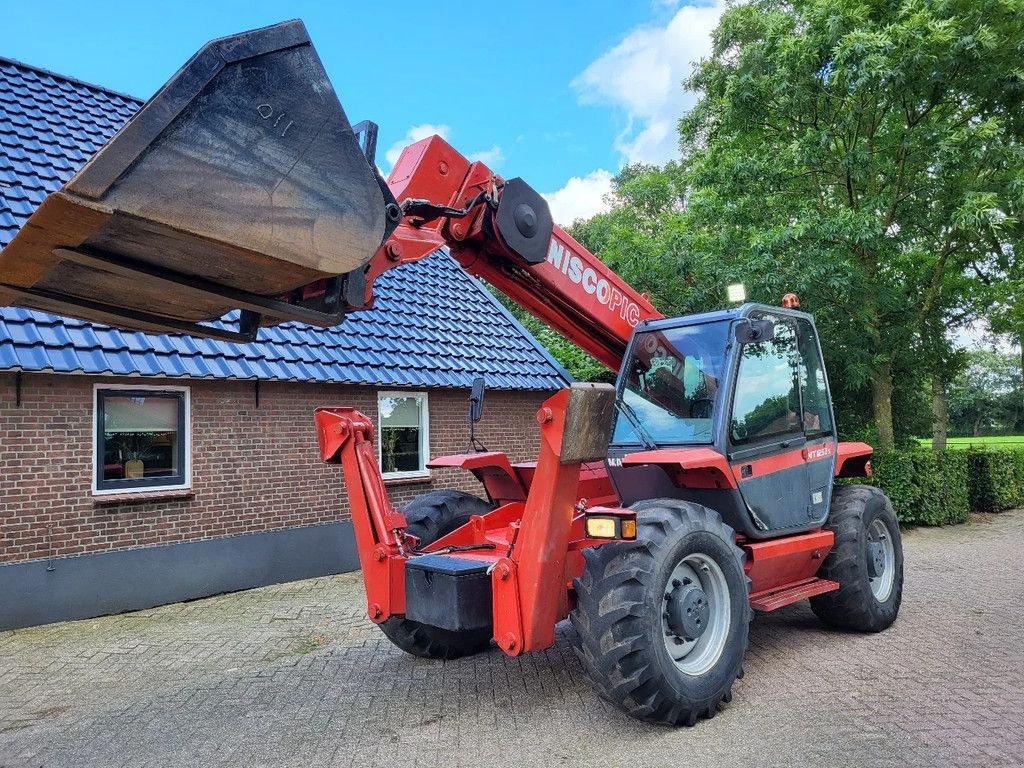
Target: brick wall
(253,469)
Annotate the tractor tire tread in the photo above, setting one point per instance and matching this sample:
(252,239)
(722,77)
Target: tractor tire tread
(613,644)
(428,518)
(435,514)
(433,642)
(853,606)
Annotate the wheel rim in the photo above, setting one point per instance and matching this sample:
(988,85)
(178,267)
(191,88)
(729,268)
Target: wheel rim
(881,555)
(696,602)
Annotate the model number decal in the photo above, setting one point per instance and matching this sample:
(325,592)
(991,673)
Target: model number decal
(813,454)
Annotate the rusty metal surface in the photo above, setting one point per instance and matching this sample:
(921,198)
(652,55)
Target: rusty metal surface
(588,422)
(243,170)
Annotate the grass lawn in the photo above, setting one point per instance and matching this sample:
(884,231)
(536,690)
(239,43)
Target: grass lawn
(1010,441)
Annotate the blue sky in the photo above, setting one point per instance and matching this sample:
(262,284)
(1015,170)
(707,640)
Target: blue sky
(560,93)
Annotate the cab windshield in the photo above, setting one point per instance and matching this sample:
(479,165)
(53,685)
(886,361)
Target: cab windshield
(671,385)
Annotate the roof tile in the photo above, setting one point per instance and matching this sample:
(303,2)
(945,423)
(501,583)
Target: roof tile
(432,325)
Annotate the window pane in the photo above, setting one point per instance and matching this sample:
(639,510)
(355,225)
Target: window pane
(401,433)
(400,411)
(140,436)
(400,449)
(766,401)
(671,384)
(813,390)
(140,414)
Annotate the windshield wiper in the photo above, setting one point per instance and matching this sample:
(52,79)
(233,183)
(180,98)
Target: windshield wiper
(634,421)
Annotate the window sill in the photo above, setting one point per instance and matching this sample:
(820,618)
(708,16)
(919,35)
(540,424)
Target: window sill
(414,480)
(100,500)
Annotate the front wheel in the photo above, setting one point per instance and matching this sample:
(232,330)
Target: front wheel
(663,621)
(866,559)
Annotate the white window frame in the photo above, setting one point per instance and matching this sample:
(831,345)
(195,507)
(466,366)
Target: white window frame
(424,435)
(187,470)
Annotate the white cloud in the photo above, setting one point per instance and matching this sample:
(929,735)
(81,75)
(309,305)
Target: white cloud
(581,197)
(643,75)
(413,135)
(490,157)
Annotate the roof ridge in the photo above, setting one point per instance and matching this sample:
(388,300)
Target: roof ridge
(69,79)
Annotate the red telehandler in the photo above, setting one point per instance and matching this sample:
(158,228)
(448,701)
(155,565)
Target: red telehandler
(659,513)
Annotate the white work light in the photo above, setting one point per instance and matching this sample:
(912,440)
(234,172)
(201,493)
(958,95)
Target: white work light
(737,293)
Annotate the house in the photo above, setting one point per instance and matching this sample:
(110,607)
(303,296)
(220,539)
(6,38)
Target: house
(139,469)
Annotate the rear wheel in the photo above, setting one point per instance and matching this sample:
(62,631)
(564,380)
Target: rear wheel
(438,513)
(663,621)
(430,517)
(866,559)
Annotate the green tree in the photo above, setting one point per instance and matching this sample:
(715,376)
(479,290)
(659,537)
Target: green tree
(987,398)
(640,237)
(1006,317)
(867,155)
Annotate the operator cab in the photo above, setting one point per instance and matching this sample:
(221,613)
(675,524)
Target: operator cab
(747,383)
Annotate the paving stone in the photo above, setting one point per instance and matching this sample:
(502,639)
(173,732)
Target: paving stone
(294,675)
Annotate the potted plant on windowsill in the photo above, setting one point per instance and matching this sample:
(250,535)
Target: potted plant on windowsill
(135,448)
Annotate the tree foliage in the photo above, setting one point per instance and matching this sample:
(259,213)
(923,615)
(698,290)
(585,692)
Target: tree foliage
(987,398)
(864,153)
(641,237)
(867,155)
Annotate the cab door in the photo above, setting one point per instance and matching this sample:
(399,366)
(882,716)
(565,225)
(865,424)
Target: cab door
(766,440)
(819,430)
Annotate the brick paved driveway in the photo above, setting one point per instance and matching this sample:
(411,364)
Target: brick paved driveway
(294,676)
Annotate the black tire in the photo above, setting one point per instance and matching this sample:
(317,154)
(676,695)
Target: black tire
(854,605)
(621,601)
(438,513)
(430,517)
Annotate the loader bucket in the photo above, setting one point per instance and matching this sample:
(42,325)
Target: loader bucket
(238,183)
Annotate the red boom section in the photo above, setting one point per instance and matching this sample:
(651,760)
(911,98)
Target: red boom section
(574,293)
(571,291)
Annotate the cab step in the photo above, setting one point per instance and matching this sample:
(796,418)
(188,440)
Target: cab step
(771,599)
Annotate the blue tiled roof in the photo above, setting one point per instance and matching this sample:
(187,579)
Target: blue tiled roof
(432,326)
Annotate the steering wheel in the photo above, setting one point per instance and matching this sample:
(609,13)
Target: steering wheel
(701,408)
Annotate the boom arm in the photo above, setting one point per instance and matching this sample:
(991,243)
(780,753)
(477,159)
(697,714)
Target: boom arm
(449,201)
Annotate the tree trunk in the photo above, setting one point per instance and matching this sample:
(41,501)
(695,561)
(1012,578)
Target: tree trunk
(940,413)
(881,404)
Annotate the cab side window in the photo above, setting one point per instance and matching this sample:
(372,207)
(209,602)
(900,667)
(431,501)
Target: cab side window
(813,388)
(767,399)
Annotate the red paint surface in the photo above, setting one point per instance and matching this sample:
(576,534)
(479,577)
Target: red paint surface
(572,291)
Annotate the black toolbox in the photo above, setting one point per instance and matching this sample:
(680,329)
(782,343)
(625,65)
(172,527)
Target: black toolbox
(452,593)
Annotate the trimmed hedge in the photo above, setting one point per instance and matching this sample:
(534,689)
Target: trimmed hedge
(956,485)
(894,473)
(945,487)
(996,478)
(929,488)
